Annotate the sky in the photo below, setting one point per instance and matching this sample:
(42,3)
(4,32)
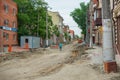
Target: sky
(64,7)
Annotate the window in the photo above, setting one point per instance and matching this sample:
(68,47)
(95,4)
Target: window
(14,11)
(6,8)
(6,36)
(14,37)
(14,24)
(6,22)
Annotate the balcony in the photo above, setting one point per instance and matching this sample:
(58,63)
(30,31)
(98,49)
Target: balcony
(98,22)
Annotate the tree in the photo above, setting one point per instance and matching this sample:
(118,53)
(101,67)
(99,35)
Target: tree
(79,16)
(55,30)
(32,17)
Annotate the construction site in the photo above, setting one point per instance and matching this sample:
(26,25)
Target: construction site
(74,62)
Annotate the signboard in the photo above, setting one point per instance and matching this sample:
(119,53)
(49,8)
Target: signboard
(8,28)
(14,29)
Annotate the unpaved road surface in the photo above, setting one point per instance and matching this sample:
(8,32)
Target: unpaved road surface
(52,64)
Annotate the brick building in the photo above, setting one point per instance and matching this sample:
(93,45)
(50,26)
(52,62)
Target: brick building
(8,24)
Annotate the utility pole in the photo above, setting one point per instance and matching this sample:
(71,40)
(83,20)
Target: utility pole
(86,37)
(46,29)
(108,53)
(38,25)
(87,27)
(2,42)
(91,19)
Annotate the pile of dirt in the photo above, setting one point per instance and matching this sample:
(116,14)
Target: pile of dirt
(110,76)
(115,78)
(9,56)
(77,53)
(50,70)
(20,55)
(98,68)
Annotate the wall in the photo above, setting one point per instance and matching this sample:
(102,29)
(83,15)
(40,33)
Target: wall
(33,42)
(11,17)
(58,21)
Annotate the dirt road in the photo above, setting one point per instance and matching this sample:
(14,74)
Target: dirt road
(50,65)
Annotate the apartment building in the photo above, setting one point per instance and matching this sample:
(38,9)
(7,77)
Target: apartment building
(98,21)
(72,34)
(8,24)
(115,9)
(58,21)
(66,33)
(94,22)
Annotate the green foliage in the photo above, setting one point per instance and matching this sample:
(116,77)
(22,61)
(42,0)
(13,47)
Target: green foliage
(66,35)
(32,17)
(55,30)
(79,16)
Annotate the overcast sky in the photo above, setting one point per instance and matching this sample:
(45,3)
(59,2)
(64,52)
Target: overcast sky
(64,7)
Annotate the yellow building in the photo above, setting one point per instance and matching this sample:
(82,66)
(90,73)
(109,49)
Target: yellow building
(58,21)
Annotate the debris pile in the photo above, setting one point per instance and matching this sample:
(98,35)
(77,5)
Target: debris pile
(20,55)
(78,52)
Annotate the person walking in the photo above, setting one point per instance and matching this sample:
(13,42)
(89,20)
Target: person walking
(60,46)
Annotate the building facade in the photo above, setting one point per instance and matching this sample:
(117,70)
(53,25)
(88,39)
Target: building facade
(115,9)
(98,22)
(72,34)
(8,24)
(94,22)
(66,33)
(58,21)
